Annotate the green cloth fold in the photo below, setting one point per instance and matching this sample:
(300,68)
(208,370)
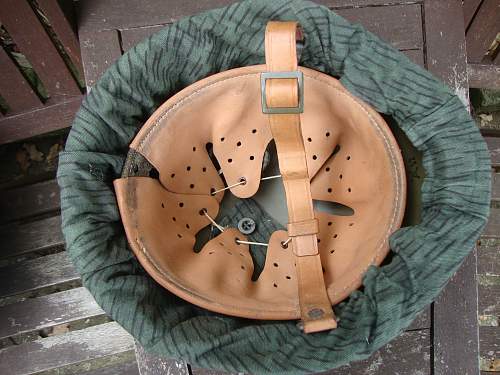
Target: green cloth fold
(455,192)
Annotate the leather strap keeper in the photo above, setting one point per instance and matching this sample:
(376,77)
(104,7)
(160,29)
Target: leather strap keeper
(303,228)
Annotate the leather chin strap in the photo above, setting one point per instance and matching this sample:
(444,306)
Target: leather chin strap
(282,100)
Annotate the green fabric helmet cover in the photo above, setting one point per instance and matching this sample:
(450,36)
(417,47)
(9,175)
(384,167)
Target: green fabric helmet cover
(455,192)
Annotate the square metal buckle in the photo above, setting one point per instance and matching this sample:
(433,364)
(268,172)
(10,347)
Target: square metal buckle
(282,75)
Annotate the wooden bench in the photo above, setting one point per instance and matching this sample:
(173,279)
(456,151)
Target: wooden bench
(41,34)
(482,25)
(49,323)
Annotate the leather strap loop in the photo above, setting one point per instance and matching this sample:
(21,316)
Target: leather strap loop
(303,228)
(281,56)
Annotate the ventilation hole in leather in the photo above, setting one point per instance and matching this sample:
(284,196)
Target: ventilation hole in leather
(179,235)
(187,226)
(162,205)
(172,175)
(204,169)
(222,244)
(181,204)
(188,168)
(191,186)
(314,157)
(153,173)
(254,131)
(210,252)
(319,240)
(332,251)
(340,176)
(330,223)
(222,139)
(284,245)
(327,134)
(329,190)
(288,277)
(202,211)
(348,157)
(327,169)
(230,253)
(194,149)
(309,139)
(275,285)
(252,157)
(174,219)
(241,255)
(238,144)
(349,190)
(212,190)
(242,267)
(229,160)
(351,224)
(335,235)
(275,264)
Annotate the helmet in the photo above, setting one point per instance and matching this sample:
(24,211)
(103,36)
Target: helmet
(340,168)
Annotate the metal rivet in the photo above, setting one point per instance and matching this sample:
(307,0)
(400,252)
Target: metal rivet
(246,225)
(315,313)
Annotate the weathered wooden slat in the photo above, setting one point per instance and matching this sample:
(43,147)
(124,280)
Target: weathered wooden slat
(488,258)
(415,55)
(128,368)
(470,9)
(455,325)
(28,33)
(483,30)
(400,25)
(422,321)
(130,37)
(69,349)
(490,349)
(489,290)
(116,14)
(30,200)
(408,354)
(53,116)
(495,186)
(492,229)
(36,274)
(445,42)
(64,31)
(15,90)
(100,49)
(19,239)
(47,311)
(150,364)
(494,147)
(485,76)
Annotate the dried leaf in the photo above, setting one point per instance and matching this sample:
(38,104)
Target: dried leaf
(58,330)
(53,153)
(33,152)
(23,160)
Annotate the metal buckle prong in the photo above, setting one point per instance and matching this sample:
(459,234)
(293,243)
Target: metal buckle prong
(282,75)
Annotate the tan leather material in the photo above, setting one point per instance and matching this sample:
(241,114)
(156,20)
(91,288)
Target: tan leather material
(352,158)
(281,56)
(286,129)
(302,228)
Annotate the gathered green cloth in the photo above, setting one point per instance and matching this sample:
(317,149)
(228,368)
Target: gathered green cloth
(454,197)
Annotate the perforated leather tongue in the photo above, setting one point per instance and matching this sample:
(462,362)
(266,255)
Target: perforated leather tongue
(352,158)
